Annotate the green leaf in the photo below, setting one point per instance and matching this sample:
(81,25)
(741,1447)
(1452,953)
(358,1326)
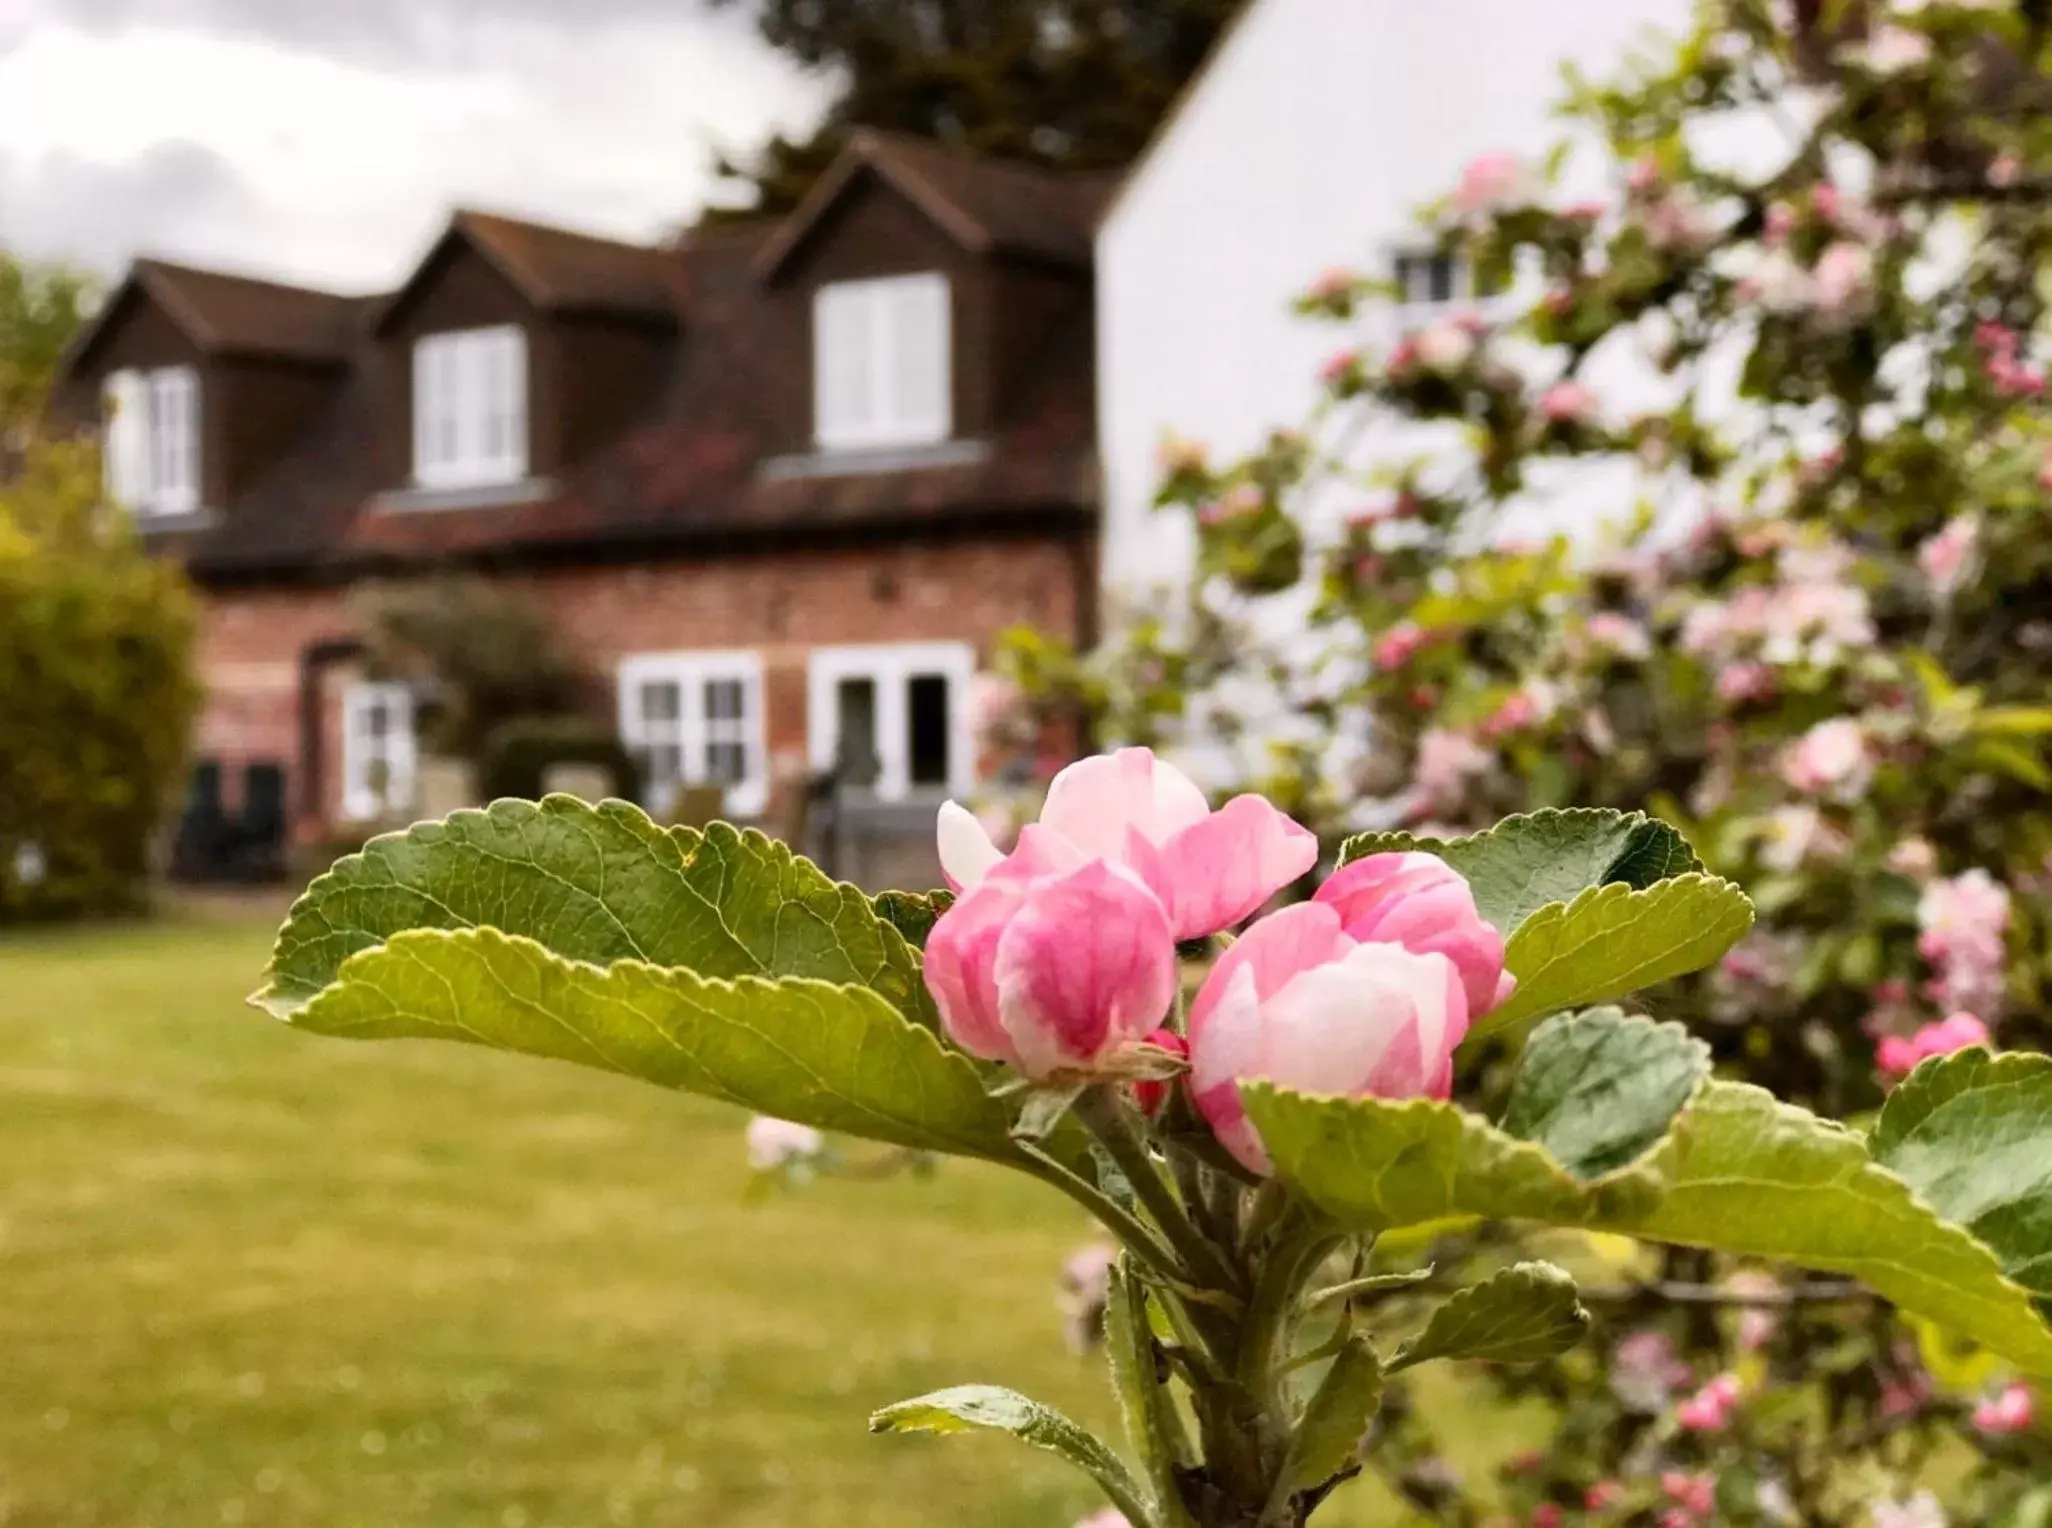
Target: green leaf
(913,913)
(1336,1419)
(1598,1089)
(598,884)
(1528,861)
(1739,1173)
(836,1057)
(1749,1175)
(1153,1426)
(1520,1315)
(1612,940)
(2015,721)
(968,1406)
(1972,1134)
(1379,1164)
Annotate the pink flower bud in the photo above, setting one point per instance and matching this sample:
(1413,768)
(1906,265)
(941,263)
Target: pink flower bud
(1547,1515)
(1299,1002)
(1422,903)
(774,1142)
(1603,1495)
(1151,1093)
(1397,646)
(1740,683)
(1898,1057)
(1709,1409)
(1568,402)
(1492,183)
(1340,368)
(1695,1494)
(1053,962)
(2004,1415)
(1208,869)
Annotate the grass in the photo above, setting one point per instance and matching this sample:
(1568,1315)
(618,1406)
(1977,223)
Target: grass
(248,1276)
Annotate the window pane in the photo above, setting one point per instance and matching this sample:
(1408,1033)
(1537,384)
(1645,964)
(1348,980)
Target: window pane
(725,763)
(843,339)
(1442,278)
(659,702)
(918,378)
(665,764)
(723,700)
(926,705)
(855,757)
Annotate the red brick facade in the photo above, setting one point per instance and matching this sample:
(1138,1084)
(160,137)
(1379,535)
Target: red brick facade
(670,500)
(781,604)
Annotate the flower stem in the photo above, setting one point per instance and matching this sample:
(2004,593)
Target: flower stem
(1107,1117)
(1131,1231)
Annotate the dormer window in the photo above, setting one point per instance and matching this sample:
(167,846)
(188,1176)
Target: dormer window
(470,408)
(152,441)
(1430,280)
(881,366)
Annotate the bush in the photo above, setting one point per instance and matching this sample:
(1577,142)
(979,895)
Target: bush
(96,667)
(518,755)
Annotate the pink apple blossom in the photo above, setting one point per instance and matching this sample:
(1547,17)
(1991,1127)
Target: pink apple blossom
(1568,402)
(1645,1371)
(1913,857)
(1421,902)
(1603,1495)
(1964,921)
(1444,347)
(1891,50)
(1144,816)
(1740,683)
(772,1143)
(1492,183)
(1447,761)
(1831,759)
(1919,1511)
(1897,1056)
(1616,632)
(1709,1409)
(1151,1093)
(1341,367)
(1845,278)
(1053,961)
(2006,1414)
(1947,556)
(1398,645)
(1299,1002)
(1693,1493)
(1643,175)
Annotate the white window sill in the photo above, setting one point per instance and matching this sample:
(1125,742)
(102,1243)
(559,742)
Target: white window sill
(866,461)
(469,496)
(152,521)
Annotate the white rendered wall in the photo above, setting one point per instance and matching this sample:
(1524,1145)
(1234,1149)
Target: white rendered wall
(1310,143)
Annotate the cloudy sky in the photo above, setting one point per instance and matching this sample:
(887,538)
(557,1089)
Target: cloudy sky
(325,140)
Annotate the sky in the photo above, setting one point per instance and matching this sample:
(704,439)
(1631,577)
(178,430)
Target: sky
(325,141)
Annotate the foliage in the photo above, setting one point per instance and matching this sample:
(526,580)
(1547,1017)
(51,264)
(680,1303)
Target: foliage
(719,963)
(482,653)
(517,756)
(1075,85)
(96,646)
(1798,345)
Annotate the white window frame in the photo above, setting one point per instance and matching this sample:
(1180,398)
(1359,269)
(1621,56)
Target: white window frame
(361,802)
(1413,313)
(151,447)
(694,730)
(863,336)
(893,666)
(468,385)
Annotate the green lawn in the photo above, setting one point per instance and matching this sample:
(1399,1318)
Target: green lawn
(248,1276)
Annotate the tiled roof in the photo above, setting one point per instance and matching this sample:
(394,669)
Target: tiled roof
(988,205)
(690,472)
(564,271)
(240,315)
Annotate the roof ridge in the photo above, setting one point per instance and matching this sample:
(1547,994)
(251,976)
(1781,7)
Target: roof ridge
(176,268)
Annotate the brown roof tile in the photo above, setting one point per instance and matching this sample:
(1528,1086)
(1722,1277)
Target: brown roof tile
(241,315)
(989,205)
(560,270)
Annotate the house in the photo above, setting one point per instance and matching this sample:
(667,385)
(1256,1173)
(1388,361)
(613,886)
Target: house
(1309,143)
(781,484)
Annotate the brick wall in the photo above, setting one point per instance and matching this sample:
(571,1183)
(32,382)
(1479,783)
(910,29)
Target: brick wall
(780,604)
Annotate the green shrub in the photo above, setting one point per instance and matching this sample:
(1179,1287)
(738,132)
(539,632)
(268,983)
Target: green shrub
(518,755)
(97,691)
